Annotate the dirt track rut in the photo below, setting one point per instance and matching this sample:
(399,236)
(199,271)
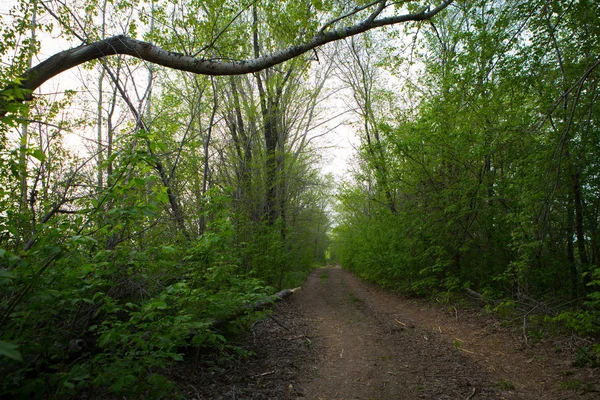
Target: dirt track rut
(341,339)
(370,350)
(373,344)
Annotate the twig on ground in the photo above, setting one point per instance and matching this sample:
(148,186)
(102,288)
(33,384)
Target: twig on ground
(279,323)
(455,312)
(525,330)
(473,393)
(252,329)
(197,392)
(297,337)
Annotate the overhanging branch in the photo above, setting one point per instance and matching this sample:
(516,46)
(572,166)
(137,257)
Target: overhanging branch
(121,44)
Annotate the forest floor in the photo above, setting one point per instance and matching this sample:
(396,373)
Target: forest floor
(341,338)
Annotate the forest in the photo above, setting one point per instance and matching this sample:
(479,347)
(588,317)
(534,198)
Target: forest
(161,168)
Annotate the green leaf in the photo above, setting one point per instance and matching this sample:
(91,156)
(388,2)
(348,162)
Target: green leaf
(10,350)
(317,4)
(160,305)
(118,385)
(6,274)
(68,385)
(162,196)
(39,154)
(139,182)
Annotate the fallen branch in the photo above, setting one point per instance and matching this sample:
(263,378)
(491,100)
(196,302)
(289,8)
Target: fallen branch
(478,296)
(257,306)
(262,304)
(279,323)
(473,393)
(297,337)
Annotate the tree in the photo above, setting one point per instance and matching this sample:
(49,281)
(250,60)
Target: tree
(196,194)
(358,71)
(31,79)
(494,165)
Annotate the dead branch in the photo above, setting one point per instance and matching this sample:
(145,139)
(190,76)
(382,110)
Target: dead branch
(476,295)
(257,306)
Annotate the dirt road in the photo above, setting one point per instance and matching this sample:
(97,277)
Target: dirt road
(372,350)
(340,338)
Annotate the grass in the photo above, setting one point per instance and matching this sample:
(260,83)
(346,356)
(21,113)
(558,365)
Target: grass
(571,384)
(324,276)
(353,298)
(505,384)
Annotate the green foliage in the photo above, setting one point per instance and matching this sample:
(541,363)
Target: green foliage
(505,385)
(119,262)
(83,308)
(133,320)
(207,198)
(491,169)
(585,321)
(10,350)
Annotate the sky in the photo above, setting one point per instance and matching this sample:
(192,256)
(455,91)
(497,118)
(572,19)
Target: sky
(336,146)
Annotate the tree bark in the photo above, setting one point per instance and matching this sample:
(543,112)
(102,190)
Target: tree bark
(122,44)
(258,306)
(583,258)
(571,248)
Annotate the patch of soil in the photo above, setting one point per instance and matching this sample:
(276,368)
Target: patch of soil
(341,338)
(372,351)
(278,352)
(515,370)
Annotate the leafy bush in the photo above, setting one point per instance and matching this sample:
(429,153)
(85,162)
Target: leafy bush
(109,321)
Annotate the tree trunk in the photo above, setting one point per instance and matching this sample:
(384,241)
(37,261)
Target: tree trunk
(579,230)
(571,248)
(121,44)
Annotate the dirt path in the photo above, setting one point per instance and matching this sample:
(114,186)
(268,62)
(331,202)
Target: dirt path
(340,338)
(372,351)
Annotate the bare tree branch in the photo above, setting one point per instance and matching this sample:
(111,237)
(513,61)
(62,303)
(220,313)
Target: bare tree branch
(121,44)
(350,13)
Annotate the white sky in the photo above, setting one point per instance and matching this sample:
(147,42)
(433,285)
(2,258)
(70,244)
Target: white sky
(337,147)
